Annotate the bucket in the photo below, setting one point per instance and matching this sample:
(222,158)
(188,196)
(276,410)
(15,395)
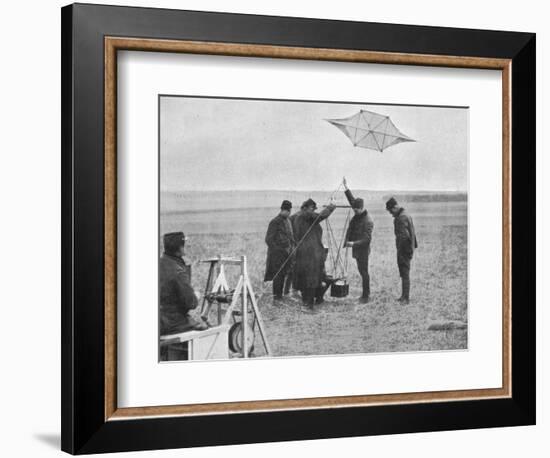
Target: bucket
(339,288)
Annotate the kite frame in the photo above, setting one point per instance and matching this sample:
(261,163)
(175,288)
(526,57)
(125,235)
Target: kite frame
(370,131)
(91,37)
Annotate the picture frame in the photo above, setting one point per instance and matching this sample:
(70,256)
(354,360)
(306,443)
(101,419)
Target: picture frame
(92,35)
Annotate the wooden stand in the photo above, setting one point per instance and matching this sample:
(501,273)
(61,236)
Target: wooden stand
(201,345)
(218,292)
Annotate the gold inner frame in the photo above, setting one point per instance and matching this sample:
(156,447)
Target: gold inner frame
(114,44)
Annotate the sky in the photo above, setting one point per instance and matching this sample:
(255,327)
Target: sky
(237,144)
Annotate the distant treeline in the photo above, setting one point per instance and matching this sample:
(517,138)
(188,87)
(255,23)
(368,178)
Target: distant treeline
(431,197)
(199,201)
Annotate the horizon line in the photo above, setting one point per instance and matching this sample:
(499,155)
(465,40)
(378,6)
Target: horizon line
(317,190)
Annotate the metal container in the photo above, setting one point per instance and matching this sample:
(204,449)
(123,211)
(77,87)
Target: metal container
(339,288)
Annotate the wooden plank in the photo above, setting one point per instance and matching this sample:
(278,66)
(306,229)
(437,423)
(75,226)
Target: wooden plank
(190,335)
(232,261)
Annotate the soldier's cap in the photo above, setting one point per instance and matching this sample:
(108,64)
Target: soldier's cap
(286,205)
(310,203)
(391,203)
(173,240)
(358,203)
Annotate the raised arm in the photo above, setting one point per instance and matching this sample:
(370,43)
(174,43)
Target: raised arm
(349,196)
(347,192)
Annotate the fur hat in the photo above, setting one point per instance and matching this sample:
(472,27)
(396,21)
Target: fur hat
(358,203)
(286,205)
(310,203)
(391,203)
(173,241)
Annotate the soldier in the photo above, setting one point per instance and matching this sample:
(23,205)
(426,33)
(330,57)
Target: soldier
(280,247)
(293,283)
(310,254)
(358,237)
(405,242)
(177,296)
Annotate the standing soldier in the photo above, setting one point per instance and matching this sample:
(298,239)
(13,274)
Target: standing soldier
(310,254)
(405,242)
(177,297)
(280,247)
(358,237)
(293,283)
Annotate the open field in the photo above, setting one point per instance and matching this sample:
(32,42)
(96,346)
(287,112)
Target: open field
(438,275)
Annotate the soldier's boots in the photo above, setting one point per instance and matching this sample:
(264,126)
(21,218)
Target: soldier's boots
(309,309)
(405,290)
(308,300)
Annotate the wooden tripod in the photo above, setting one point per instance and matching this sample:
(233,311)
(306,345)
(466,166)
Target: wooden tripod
(218,292)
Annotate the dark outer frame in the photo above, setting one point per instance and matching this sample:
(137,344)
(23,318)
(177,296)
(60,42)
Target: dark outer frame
(84,425)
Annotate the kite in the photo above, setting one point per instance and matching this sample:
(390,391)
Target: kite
(370,130)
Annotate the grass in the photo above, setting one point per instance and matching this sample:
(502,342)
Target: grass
(438,292)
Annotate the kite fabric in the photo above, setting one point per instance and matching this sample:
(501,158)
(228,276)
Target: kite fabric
(370,130)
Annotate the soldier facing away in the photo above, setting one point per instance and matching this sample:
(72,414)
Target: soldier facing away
(405,242)
(280,248)
(358,237)
(177,296)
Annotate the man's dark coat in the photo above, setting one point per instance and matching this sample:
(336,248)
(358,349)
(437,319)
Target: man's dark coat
(405,241)
(280,244)
(405,234)
(359,231)
(177,296)
(310,254)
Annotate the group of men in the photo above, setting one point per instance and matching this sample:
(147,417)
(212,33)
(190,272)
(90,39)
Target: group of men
(296,255)
(295,259)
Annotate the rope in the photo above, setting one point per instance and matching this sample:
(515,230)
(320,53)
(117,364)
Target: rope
(344,231)
(339,261)
(331,239)
(329,243)
(344,272)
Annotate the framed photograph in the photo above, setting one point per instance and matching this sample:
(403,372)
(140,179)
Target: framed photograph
(281,228)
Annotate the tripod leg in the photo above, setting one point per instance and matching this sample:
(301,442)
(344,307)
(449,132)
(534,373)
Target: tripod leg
(234,302)
(206,311)
(257,316)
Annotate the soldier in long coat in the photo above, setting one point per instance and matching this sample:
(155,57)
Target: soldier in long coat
(358,237)
(405,243)
(293,283)
(177,297)
(280,249)
(310,254)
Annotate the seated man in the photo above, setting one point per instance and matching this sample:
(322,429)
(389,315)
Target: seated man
(177,296)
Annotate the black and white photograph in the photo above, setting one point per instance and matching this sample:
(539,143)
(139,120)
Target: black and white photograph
(309,228)
(265,229)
